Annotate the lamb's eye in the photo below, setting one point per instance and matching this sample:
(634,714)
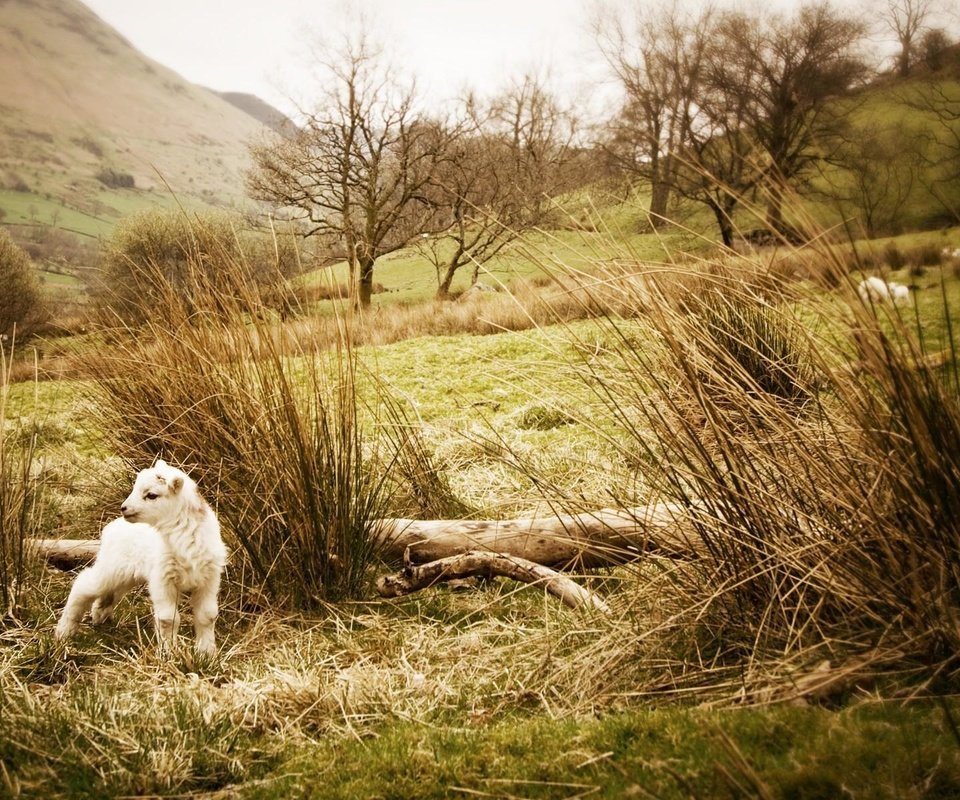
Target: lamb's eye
(151,496)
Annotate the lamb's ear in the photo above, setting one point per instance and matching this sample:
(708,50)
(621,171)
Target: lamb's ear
(161,463)
(176,484)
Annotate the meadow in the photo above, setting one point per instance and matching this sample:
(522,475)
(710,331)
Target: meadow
(808,650)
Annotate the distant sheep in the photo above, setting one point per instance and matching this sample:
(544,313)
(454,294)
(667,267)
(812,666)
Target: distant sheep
(168,540)
(950,252)
(877,290)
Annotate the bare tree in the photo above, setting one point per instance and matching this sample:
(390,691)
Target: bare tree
(656,62)
(723,105)
(512,155)
(906,19)
(793,70)
(720,162)
(541,134)
(479,208)
(359,169)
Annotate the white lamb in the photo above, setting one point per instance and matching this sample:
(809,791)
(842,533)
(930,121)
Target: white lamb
(168,540)
(877,290)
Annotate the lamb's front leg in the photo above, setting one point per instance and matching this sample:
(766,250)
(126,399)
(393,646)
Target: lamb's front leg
(205,610)
(164,597)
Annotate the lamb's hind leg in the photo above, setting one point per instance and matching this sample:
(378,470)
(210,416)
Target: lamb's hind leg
(205,610)
(102,609)
(87,587)
(105,604)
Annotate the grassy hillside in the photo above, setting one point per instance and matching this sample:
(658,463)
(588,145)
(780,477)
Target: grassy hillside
(83,114)
(259,109)
(496,691)
(894,169)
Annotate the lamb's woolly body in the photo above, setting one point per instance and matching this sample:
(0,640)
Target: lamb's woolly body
(192,552)
(877,290)
(169,540)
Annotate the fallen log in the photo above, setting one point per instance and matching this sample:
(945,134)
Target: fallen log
(413,578)
(66,553)
(566,541)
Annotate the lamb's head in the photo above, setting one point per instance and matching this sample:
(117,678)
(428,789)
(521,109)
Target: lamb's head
(158,495)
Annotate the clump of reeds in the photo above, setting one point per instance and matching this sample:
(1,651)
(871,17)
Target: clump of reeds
(269,425)
(20,496)
(816,449)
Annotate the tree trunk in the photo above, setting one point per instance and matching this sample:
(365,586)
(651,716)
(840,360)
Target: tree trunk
(659,201)
(364,282)
(571,541)
(724,223)
(778,190)
(443,289)
(904,60)
(475,563)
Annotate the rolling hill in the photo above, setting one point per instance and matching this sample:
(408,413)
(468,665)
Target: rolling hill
(259,109)
(91,129)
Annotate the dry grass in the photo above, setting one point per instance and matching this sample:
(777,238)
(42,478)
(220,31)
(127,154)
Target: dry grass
(823,497)
(527,305)
(110,715)
(20,496)
(209,384)
(816,452)
(110,711)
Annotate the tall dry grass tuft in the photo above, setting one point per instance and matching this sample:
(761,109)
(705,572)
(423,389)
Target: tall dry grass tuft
(905,404)
(20,496)
(269,424)
(818,456)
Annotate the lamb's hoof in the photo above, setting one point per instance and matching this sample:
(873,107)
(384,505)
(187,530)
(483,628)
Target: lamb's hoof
(63,631)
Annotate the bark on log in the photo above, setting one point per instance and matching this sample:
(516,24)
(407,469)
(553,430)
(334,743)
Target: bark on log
(569,541)
(66,553)
(413,578)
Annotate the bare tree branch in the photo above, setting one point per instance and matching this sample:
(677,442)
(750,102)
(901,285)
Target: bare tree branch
(358,170)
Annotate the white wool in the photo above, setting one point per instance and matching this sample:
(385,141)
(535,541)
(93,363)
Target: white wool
(899,293)
(167,540)
(877,290)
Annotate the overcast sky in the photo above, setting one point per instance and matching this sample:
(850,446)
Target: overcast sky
(261,46)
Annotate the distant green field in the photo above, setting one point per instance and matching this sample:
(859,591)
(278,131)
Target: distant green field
(407,276)
(59,281)
(902,152)
(28,208)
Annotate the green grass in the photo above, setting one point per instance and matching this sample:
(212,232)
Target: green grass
(31,208)
(27,208)
(407,277)
(866,751)
(59,280)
